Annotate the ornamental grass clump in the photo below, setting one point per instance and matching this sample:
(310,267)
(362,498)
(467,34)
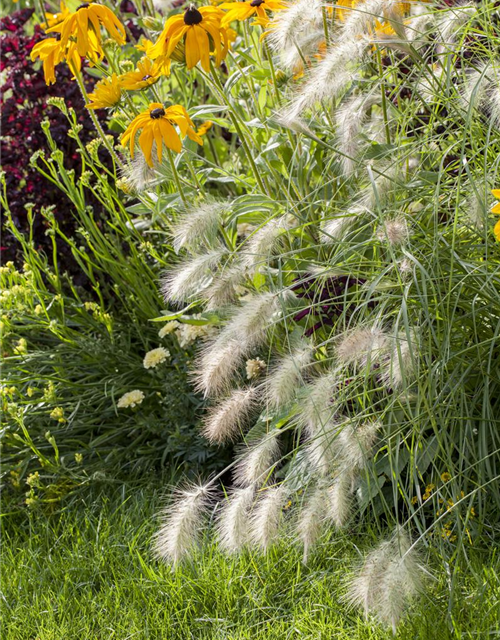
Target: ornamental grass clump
(332,226)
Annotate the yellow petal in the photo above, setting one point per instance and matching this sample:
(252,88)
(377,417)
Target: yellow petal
(193,53)
(496,231)
(146,143)
(158,139)
(170,136)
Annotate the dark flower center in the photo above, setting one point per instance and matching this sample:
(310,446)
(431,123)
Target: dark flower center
(147,78)
(83,6)
(256,3)
(159,112)
(192,16)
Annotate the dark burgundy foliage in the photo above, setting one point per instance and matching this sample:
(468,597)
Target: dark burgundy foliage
(24,96)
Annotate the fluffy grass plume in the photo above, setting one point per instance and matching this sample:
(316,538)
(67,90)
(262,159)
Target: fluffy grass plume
(233,524)
(257,459)
(287,375)
(182,523)
(199,225)
(391,575)
(226,420)
(267,516)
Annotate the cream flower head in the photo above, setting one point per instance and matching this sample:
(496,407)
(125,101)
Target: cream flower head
(155,357)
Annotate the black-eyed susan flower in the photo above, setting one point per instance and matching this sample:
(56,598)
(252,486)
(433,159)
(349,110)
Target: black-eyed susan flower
(84,27)
(157,125)
(496,209)
(249,8)
(51,54)
(146,74)
(201,32)
(106,94)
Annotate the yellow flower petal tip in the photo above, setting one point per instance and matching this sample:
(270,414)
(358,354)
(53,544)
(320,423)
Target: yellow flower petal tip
(496,231)
(251,8)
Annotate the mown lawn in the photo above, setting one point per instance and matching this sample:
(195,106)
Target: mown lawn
(87,573)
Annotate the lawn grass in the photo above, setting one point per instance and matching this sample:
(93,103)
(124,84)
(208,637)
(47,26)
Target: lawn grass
(87,573)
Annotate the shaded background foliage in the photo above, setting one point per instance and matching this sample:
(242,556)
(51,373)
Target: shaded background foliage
(24,105)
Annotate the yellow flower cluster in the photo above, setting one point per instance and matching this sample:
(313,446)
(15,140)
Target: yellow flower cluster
(80,35)
(196,35)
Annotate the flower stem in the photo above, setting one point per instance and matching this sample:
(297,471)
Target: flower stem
(176,177)
(96,122)
(234,120)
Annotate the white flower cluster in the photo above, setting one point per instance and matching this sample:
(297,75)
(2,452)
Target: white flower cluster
(130,399)
(155,357)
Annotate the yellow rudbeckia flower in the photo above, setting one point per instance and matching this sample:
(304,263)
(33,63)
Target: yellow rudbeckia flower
(244,10)
(146,74)
(157,125)
(84,27)
(496,209)
(201,31)
(106,94)
(51,54)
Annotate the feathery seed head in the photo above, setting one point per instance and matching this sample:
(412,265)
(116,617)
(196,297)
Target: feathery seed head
(287,375)
(192,276)
(322,447)
(182,522)
(394,232)
(362,345)
(318,406)
(199,225)
(250,324)
(475,90)
(355,443)
(257,460)
(399,367)
(292,23)
(312,518)
(363,16)
(329,78)
(234,520)
(138,174)
(226,420)
(267,516)
(350,118)
(390,576)
(339,498)
(224,288)
(450,22)
(217,364)
(263,243)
